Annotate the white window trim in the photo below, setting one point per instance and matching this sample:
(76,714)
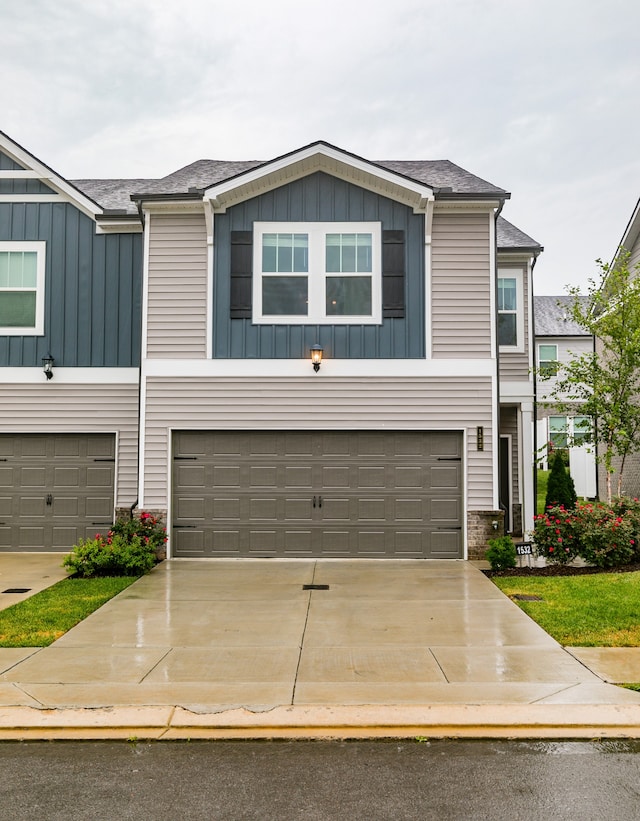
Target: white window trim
(317,273)
(513,273)
(40,248)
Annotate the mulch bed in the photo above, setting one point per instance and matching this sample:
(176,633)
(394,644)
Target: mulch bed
(561,570)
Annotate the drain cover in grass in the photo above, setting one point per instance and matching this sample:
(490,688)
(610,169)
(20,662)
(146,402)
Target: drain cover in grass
(524,597)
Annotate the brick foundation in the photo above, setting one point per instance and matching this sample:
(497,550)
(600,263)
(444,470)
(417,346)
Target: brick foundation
(480,529)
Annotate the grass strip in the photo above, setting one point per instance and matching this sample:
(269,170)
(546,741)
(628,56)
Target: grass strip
(600,610)
(41,619)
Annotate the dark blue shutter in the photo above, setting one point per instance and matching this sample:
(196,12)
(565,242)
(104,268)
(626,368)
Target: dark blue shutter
(393,265)
(241,274)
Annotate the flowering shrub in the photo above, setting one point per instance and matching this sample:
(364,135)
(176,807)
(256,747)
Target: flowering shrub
(130,548)
(146,526)
(555,535)
(603,535)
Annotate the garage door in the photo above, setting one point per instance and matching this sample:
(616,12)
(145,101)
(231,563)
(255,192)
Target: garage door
(367,494)
(54,489)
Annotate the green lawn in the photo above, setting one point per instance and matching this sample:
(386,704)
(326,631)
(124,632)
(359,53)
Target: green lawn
(541,497)
(599,610)
(43,618)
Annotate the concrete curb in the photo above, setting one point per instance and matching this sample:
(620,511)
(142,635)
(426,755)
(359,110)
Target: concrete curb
(316,722)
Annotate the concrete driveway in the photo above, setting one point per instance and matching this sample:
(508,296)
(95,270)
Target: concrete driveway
(216,635)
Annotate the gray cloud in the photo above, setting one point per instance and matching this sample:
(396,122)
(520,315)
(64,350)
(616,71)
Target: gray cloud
(537,97)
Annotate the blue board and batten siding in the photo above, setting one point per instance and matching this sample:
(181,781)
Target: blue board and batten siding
(92,288)
(320,198)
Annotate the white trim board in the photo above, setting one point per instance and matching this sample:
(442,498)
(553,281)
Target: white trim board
(251,368)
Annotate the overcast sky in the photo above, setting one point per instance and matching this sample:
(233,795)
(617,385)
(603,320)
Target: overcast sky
(540,97)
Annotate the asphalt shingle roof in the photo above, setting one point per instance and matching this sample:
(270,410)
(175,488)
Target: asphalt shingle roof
(552,316)
(444,175)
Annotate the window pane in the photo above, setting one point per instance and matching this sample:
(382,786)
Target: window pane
(284,253)
(17,309)
(581,429)
(349,253)
(365,253)
(507,294)
(507,329)
(4,269)
(284,296)
(558,426)
(349,296)
(548,353)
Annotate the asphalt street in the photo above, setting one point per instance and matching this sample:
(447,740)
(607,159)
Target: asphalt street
(414,779)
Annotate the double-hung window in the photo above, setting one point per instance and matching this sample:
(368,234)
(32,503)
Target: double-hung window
(548,360)
(317,273)
(510,310)
(22,266)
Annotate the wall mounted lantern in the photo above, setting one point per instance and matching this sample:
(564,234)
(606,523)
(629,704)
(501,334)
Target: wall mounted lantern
(316,356)
(47,366)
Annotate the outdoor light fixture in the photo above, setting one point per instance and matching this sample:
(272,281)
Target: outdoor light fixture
(47,366)
(316,356)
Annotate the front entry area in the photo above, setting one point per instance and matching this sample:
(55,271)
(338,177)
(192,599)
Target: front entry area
(301,494)
(54,489)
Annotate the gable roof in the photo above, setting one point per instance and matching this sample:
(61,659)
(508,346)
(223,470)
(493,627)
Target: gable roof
(632,231)
(511,238)
(551,314)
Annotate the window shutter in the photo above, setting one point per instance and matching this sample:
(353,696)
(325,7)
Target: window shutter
(241,274)
(393,274)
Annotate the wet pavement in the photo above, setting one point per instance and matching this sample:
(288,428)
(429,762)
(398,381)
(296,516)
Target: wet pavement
(310,643)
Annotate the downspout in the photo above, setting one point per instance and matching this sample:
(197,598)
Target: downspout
(142,221)
(495,274)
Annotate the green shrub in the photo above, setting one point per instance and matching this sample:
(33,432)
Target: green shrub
(130,548)
(112,555)
(560,488)
(501,553)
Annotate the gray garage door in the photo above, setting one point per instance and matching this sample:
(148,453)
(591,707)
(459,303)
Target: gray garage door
(54,489)
(363,494)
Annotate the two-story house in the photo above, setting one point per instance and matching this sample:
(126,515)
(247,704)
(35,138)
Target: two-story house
(179,318)
(558,338)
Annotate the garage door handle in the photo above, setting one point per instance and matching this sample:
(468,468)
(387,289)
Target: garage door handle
(319,500)
(49,499)
(314,501)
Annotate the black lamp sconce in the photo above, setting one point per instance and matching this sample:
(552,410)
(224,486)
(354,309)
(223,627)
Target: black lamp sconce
(47,366)
(316,356)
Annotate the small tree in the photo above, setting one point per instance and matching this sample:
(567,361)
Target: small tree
(560,489)
(606,382)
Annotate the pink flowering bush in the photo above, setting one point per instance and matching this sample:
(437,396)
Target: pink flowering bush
(602,535)
(130,548)
(555,535)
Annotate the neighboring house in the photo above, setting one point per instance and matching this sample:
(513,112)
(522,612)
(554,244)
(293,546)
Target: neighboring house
(630,242)
(180,315)
(558,339)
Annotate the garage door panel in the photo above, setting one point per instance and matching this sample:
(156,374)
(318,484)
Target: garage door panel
(226,508)
(445,510)
(442,476)
(298,477)
(33,477)
(262,476)
(31,506)
(376,493)
(445,545)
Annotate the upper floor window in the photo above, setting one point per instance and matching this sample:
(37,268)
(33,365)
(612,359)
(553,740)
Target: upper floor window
(510,310)
(317,272)
(548,360)
(22,288)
